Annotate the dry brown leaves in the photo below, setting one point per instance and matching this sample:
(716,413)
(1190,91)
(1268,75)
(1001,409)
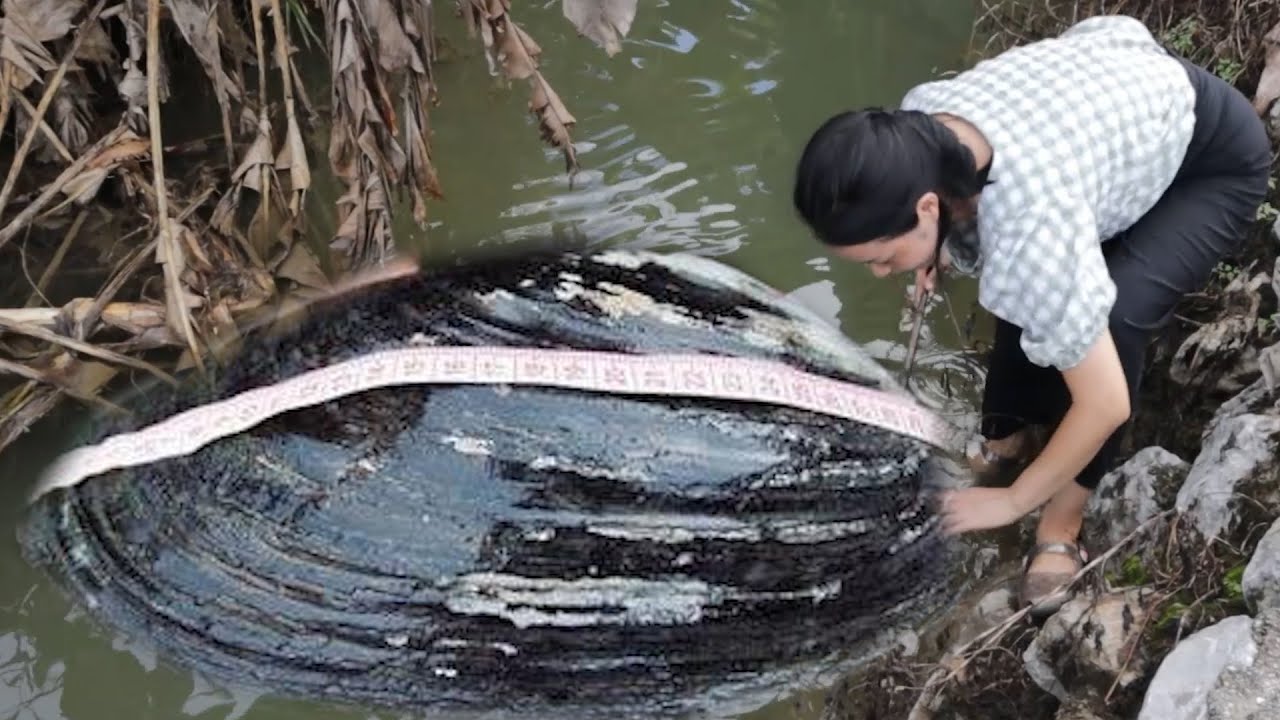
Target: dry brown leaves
(26,26)
(192,241)
(197,20)
(373,45)
(509,47)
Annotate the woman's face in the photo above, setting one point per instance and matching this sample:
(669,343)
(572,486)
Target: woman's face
(911,251)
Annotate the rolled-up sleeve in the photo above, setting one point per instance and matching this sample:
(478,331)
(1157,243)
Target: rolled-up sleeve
(1045,274)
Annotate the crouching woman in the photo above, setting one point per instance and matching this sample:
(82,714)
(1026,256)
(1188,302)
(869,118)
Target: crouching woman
(1090,181)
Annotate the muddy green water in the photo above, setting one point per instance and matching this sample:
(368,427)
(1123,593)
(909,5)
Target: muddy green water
(687,140)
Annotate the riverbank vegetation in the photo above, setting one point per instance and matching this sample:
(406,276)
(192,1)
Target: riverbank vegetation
(114,181)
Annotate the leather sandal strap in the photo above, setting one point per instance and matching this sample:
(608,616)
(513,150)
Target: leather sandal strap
(1058,548)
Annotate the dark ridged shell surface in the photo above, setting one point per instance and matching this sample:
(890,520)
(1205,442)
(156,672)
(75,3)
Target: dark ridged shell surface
(517,551)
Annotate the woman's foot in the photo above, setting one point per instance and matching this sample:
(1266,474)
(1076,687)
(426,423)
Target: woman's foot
(994,459)
(1051,566)
(1057,556)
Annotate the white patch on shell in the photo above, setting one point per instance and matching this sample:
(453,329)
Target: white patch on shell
(469,445)
(283,471)
(540,535)
(618,301)
(910,535)
(548,602)
(674,529)
(772,332)
(566,291)
(80,555)
(808,533)
(568,465)
(533,602)
(810,330)
(458,644)
(500,294)
(397,641)
(445,672)
(622,259)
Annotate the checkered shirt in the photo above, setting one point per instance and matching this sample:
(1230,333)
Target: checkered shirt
(1089,129)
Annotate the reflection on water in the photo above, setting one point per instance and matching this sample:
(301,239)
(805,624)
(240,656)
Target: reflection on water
(686,139)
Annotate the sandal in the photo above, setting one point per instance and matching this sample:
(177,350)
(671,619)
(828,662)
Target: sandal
(1047,592)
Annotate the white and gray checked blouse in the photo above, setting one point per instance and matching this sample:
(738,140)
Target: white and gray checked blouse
(1089,129)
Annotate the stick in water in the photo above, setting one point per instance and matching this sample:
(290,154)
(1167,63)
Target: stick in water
(913,345)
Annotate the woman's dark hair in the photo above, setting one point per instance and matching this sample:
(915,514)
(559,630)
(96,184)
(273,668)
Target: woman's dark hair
(862,172)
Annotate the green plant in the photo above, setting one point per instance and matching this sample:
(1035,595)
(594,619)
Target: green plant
(1180,38)
(1267,212)
(1172,613)
(1269,325)
(1228,69)
(301,21)
(1132,572)
(1225,272)
(1232,584)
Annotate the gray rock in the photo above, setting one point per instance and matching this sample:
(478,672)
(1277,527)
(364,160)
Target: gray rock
(909,640)
(1275,273)
(1088,646)
(1256,399)
(1040,669)
(1181,686)
(1133,493)
(974,618)
(1269,366)
(1237,471)
(1252,692)
(1262,576)
(1221,352)
(995,607)
(984,560)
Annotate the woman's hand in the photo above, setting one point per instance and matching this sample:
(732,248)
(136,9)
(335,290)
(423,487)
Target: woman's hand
(978,508)
(1100,405)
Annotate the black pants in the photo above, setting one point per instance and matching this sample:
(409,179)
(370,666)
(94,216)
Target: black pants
(1169,252)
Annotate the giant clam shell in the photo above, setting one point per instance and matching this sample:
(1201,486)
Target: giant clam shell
(517,550)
